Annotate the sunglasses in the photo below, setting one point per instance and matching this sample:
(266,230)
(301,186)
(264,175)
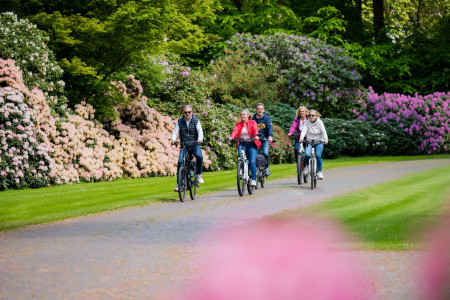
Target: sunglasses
(187,112)
(312,115)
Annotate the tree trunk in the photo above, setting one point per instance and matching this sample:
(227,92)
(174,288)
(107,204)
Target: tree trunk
(378,19)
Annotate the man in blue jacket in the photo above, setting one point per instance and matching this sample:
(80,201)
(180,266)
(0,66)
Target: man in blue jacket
(265,130)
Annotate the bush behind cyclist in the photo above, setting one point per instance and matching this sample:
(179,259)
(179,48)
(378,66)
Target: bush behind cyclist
(265,129)
(246,129)
(315,130)
(190,130)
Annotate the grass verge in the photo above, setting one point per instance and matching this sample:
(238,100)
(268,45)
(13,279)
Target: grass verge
(391,215)
(24,207)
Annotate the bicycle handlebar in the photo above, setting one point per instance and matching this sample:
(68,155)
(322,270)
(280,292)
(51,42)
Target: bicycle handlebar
(313,142)
(189,143)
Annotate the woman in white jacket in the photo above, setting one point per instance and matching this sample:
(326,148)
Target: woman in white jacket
(316,132)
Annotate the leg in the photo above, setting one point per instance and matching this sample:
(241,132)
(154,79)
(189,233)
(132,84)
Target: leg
(297,148)
(308,152)
(252,151)
(197,151)
(265,152)
(319,149)
(239,150)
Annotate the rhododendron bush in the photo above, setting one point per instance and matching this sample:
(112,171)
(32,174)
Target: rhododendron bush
(25,159)
(23,42)
(77,147)
(308,71)
(424,118)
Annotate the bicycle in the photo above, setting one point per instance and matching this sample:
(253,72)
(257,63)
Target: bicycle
(313,163)
(243,177)
(300,160)
(261,167)
(187,179)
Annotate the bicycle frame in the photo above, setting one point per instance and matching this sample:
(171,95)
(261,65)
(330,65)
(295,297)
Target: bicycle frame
(313,163)
(189,178)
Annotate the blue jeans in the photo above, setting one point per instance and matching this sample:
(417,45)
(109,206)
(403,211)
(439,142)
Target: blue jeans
(197,152)
(318,148)
(250,151)
(265,151)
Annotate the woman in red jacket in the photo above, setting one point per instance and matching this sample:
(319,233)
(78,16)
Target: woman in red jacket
(246,129)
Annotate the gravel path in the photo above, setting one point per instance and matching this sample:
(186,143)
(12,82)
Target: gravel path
(146,252)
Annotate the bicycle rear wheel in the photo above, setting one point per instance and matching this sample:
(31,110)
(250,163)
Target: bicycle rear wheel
(240,178)
(299,169)
(192,181)
(262,180)
(182,178)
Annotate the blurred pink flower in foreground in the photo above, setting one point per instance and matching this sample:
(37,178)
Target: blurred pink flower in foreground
(436,268)
(282,259)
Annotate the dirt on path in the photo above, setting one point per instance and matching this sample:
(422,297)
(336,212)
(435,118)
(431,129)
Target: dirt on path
(147,252)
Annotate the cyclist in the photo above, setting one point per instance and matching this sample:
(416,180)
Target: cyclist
(245,129)
(190,130)
(315,131)
(299,123)
(265,130)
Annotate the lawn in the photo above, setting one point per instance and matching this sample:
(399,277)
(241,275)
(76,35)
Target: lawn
(391,215)
(24,207)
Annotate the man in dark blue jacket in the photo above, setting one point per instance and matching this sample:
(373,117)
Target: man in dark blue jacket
(265,130)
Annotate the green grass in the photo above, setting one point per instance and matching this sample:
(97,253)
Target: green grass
(24,207)
(392,215)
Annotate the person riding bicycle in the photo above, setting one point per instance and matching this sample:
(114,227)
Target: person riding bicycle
(246,129)
(190,131)
(299,123)
(265,131)
(316,132)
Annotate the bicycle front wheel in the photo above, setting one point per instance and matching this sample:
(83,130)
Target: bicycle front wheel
(312,171)
(182,178)
(240,178)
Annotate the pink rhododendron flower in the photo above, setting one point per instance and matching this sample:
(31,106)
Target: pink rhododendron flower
(281,259)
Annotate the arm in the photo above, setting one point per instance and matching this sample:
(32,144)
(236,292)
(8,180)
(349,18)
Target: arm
(270,127)
(235,131)
(324,133)
(200,131)
(294,126)
(175,132)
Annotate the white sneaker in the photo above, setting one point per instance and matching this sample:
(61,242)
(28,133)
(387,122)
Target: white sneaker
(176,189)
(200,179)
(320,175)
(306,170)
(252,182)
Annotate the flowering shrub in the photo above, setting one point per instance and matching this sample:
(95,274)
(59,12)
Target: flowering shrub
(424,118)
(181,85)
(25,160)
(21,41)
(78,147)
(235,81)
(282,151)
(309,72)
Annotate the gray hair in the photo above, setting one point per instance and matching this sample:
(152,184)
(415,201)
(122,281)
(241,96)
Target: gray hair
(259,104)
(187,106)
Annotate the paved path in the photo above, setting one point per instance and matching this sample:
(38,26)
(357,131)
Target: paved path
(145,252)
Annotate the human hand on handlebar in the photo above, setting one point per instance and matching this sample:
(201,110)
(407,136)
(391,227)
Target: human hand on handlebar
(270,139)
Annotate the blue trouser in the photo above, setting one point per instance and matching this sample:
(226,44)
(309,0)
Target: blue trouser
(250,151)
(197,152)
(265,151)
(318,148)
